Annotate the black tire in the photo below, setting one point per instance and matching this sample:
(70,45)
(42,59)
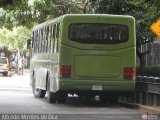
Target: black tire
(5,74)
(61,97)
(38,93)
(51,97)
(103,99)
(113,100)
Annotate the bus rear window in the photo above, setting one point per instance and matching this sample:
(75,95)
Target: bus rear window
(95,33)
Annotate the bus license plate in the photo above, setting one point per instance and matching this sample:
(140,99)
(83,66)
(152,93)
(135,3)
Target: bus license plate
(97,87)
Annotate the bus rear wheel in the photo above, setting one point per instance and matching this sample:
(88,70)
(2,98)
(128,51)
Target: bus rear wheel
(38,93)
(111,99)
(61,97)
(5,74)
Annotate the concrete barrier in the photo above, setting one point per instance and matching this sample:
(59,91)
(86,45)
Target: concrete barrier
(148,90)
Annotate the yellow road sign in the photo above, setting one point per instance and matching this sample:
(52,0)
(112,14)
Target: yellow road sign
(155,27)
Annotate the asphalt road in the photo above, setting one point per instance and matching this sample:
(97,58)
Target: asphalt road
(16,98)
(23,102)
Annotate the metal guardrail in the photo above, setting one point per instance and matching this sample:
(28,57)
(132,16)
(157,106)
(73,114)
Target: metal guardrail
(148,90)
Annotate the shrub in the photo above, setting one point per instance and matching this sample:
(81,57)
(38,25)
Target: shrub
(153,70)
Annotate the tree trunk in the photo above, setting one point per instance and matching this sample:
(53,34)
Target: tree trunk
(142,65)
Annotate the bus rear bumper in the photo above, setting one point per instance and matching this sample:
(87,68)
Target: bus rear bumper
(97,86)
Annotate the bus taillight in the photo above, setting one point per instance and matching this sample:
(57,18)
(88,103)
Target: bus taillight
(65,71)
(129,73)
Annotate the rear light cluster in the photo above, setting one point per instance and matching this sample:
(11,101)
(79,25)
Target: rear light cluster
(129,73)
(65,71)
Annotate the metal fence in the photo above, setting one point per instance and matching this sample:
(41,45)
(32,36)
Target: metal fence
(147,87)
(148,90)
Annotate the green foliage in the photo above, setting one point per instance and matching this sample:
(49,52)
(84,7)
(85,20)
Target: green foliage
(145,12)
(49,9)
(24,13)
(5,2)
(21,12)
(16,13)
(111,6)
(15,38)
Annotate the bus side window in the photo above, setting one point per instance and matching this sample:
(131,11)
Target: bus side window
(57,37)
(34,34)
(53,37)
(55,43)
(49,39)
(37,41)
(41,37)
(46,39)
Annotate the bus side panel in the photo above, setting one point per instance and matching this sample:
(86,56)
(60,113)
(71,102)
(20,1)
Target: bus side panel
(39,69)
(54,72)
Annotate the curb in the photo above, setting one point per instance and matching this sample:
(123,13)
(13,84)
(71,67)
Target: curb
(15,89)
(143,108)
(150,109)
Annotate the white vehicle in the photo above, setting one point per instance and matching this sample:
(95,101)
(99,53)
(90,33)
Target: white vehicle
(4,65)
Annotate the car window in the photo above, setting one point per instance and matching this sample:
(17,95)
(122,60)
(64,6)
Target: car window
(3,61)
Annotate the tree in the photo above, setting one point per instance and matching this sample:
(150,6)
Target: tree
(145,12)
(15,13)
(145,17)
(15,38)
(21,12)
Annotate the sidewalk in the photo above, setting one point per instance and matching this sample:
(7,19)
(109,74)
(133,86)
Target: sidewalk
(149,109)
(143,108)
(16,82)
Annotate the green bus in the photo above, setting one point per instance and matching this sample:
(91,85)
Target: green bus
(84,54)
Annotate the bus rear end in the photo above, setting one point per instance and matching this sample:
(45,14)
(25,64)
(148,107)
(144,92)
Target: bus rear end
(97,55)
